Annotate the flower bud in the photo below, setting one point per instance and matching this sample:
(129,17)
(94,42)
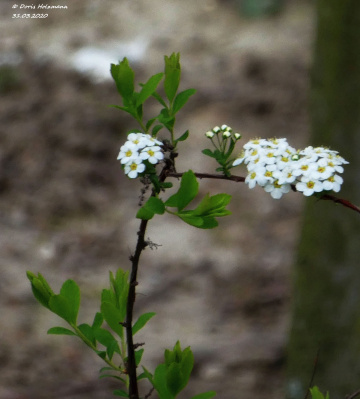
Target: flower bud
(209,134)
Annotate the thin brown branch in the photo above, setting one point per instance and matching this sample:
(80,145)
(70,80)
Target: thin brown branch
(353,395)
(326,197)
(135,258)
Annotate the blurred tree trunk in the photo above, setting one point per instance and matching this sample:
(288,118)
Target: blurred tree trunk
(326,304)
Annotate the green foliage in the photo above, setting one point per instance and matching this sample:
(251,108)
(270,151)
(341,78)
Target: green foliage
(66,304)
(316,394)
(133,101)
(203,216)
(152,206)
(172,75)
(141,321)
(188,190)
(172,376)
(224,146)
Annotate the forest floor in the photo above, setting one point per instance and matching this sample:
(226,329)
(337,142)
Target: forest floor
(66,208)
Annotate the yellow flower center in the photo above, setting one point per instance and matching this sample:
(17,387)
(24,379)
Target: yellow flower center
(310,184)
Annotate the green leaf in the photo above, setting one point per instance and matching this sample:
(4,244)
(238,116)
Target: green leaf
(98,320)
(70,290)
(108,340)
(172,75)
(149,88)
(141,376)
(61,306)
(149,123)
(148,375)
(60,331)
(88,332)
(316,394)
(112,376)
(160,384)
(186,364)
(183,137)
(166,185)
(120,392)
(124,79)
(156,129)
(179,365)
(188,190)
(166,119)
(117,295)
(152,206)
(205,395)
(113,317)
(138,356)
(213,206)
(209,153)
(181,99)
(145,214)
(40,288)
(141,321)
(174,379)
(101,354)
(196,221)
(159,99)
(155,205)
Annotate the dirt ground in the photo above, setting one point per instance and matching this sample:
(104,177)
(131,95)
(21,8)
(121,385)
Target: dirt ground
(67,210)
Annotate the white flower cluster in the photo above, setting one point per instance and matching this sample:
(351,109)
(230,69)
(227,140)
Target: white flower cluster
(275,166)
(138,148)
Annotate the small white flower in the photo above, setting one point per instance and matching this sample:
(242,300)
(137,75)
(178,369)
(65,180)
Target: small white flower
(277,190)
(152,141)
(134,167)
(128,151)
(333,183)
(284,176)
(309,187)
(256,177)
(152,154)
(304,168)
(138,139)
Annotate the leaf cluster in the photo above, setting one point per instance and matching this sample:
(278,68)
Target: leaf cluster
(172,376)
(171,102)
(203,216)
(316,394)
(105,342)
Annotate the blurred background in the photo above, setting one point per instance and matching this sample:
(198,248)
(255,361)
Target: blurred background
(67,210)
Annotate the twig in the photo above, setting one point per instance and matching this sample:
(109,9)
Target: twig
(131,363)
(140,246)
(326,197)
(353,395)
